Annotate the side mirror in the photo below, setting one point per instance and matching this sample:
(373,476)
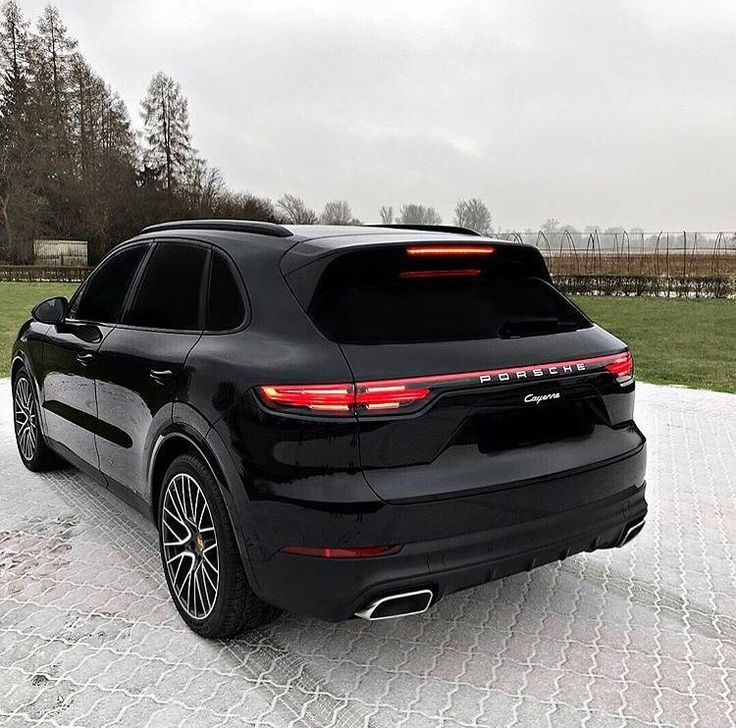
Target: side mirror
(51,311)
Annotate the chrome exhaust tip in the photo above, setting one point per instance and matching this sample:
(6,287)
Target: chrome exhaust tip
(632,532)
(397,605)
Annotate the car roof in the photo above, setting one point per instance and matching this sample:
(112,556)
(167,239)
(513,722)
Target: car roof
(242,237)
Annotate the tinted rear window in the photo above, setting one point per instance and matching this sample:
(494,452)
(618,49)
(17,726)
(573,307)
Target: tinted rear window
(385,298)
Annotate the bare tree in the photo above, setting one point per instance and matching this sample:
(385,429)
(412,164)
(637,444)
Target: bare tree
(473,214)
(244,206)
(413,214)
(337,212)
(387,214)
(295,210)
(165,113)
(550,226)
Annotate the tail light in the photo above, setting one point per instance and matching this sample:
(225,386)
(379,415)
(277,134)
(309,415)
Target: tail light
(343,398)
(622,367)
(322,398)
(387,395)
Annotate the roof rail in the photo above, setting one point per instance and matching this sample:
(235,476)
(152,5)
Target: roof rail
(240,226)
(432,228)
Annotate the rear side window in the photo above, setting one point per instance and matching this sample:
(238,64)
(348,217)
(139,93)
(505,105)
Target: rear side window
(226,308)
(382,297)
(169,294)
(102,298)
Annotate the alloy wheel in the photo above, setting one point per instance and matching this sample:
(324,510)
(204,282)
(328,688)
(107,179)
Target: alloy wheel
(26,422)
(190,546)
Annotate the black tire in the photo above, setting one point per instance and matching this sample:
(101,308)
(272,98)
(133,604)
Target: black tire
(32,448)
(210,555)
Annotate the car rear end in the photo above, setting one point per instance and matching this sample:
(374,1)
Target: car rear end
(493,426)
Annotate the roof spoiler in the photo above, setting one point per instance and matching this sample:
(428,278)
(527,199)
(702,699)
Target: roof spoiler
(431,228)
(239,226)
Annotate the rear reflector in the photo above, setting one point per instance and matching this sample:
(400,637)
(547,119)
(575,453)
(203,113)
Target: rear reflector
(409,394)
(430,250)
(359,552)
(459,273)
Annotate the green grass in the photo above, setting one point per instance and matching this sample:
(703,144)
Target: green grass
(16,302)
(675,341)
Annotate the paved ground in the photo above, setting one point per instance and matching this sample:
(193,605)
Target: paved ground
(641,636)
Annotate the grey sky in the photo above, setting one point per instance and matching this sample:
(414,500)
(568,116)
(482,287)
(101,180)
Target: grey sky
(596,112)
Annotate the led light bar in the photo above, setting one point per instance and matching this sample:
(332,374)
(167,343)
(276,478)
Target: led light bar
(384,395)
(449,250)
(457,273)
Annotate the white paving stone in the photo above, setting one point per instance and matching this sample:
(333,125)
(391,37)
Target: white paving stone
(644,635)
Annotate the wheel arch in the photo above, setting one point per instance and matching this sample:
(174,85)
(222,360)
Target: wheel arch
(167,448)
(19,360)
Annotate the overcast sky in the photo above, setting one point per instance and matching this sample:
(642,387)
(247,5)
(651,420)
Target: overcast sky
(608,112)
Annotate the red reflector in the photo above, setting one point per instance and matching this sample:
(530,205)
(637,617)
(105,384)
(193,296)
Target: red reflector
(450,250)
(358,552)
(622,366)
(459,273)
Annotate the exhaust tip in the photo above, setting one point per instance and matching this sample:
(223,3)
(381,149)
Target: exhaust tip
(397,605)
(632,532)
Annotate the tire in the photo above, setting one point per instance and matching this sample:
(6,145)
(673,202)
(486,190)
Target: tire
(200,556)
(32,447)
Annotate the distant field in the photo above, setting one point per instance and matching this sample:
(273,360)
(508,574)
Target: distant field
(16,302)
(676,341)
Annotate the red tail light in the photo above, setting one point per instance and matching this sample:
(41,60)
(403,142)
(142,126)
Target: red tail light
(379,396)
(359,552)
(459,273)
(432,250)
(343,398)
(324,398)
(623,366)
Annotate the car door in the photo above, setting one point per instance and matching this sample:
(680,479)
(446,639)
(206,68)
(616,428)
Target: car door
(141,363)
(69,353)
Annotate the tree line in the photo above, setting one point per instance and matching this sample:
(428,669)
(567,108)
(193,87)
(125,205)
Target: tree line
(73,167)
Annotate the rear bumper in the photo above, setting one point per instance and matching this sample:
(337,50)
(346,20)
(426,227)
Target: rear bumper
(455,543)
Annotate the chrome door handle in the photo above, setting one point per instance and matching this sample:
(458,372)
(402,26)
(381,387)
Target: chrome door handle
(85,358)
(160,375)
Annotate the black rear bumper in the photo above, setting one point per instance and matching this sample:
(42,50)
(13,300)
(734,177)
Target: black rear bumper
(466,541)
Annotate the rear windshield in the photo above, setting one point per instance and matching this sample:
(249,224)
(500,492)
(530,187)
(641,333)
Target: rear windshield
(387,297)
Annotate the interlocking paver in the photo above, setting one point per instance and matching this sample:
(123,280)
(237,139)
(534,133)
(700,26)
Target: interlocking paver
(641,636)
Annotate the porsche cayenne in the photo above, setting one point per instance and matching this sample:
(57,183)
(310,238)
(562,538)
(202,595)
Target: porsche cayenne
(337,421)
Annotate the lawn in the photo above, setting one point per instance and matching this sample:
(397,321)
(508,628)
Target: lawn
(690,342)
(16,302)
(674,341)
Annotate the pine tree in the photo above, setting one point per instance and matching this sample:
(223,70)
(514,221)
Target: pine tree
(19,204)
(165,113)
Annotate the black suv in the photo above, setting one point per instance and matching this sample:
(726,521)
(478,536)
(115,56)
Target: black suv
(336,421)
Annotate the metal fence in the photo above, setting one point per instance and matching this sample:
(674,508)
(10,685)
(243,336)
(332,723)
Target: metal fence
(42,273)
(681,264)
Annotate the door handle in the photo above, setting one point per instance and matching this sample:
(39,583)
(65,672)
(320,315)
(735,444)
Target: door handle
(85,358)
(160,375)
